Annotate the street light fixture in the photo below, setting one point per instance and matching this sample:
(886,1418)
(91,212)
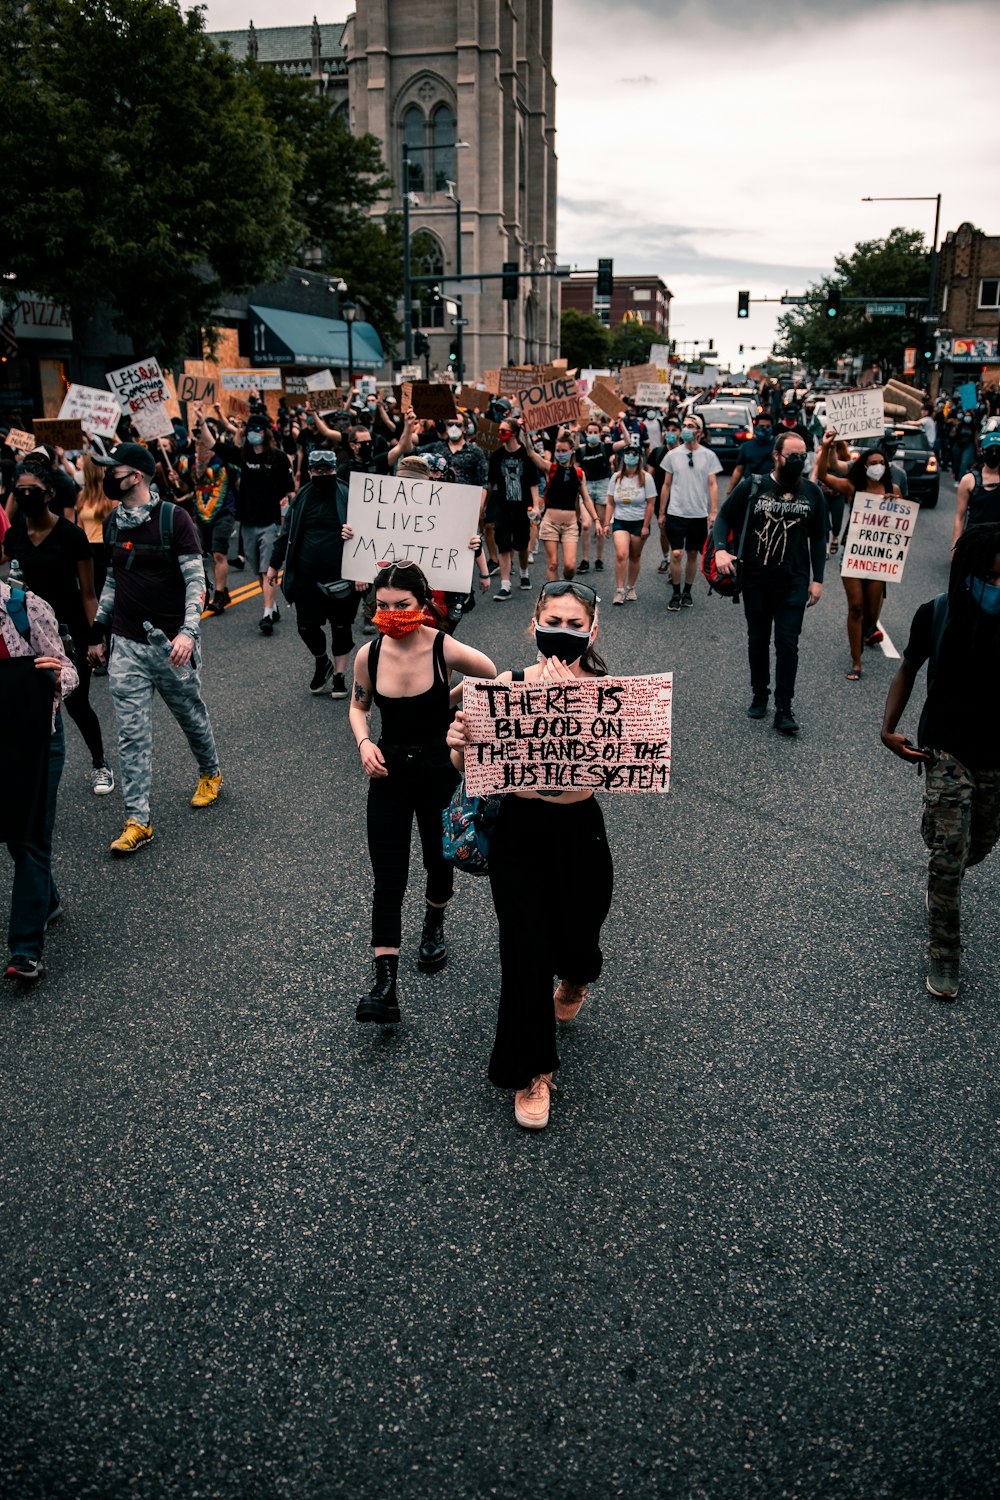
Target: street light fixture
(923,198)
(409,151)
(349,312)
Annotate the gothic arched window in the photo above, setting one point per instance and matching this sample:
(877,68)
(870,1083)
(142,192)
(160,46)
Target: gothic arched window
(443,142)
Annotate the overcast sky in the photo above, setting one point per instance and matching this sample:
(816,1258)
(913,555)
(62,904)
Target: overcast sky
(724,145)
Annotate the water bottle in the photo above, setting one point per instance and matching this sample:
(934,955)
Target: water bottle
(156,638)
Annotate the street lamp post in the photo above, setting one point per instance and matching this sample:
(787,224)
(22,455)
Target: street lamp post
(460,330)
(934,198)
(409,151)
(349,312)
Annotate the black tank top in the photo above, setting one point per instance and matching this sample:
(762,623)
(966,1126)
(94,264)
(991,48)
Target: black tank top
(984,504)
(418,721)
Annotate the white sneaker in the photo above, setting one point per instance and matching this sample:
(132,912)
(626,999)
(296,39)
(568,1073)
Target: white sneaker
(531,1105)
(102,779)
(619,597)
(631,596)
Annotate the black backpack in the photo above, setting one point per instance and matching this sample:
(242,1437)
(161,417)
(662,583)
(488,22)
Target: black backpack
(939,624)
(167,540)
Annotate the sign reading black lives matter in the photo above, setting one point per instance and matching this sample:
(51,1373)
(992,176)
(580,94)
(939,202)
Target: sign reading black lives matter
(601,734)
(396,519)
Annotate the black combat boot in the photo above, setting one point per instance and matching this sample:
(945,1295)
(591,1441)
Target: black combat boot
(758,708)
(784,720)
(433,954)
(381,1003)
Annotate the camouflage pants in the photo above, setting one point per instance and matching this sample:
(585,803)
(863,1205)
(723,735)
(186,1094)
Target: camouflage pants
(135,672)
(961,824)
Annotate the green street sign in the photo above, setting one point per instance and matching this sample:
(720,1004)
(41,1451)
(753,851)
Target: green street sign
(885,309)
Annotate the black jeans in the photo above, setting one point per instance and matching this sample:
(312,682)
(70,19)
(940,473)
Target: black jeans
(541,936)
(419,782)
(80,708)
(779,602)
(314,609)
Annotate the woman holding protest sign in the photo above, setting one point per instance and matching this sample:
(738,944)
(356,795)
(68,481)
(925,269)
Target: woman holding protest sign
(865,596)
(406,672)
(549,920)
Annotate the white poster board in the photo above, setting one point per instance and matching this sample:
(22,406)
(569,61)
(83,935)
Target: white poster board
(97,411)
(426,521)
(856,414)
(142,394)
(659,354)
(251,380)
(322,381)
(648,394)
(878,537)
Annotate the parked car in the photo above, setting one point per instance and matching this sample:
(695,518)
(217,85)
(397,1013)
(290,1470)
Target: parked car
(908,449)
(743,395)
(727,428)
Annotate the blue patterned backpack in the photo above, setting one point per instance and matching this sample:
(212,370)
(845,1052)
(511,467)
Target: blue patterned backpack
(468,823)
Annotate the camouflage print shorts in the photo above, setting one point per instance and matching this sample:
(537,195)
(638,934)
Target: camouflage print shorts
(961,824)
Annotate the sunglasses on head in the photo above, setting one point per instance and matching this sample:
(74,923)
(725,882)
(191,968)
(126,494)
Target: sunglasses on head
(568,586)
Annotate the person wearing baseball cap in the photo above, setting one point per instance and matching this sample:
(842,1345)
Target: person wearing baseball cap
(979,489)
(151,607)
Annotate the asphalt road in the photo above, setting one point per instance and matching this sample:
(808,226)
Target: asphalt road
(252,1249)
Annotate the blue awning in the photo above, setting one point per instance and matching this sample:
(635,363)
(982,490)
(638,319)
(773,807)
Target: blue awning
(288,338)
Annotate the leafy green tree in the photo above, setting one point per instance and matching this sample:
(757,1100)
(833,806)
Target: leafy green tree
(884,270)
(631,343)
(140,169)
(584,341)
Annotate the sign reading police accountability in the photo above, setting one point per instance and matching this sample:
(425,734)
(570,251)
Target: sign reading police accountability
(878,537)
(856,414)
(412,520)
(142,394)
(602,734)
(549,405)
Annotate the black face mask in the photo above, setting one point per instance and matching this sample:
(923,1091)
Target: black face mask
(565,645)
(323,481)
(115,487)
(991,458)
(792,466)
(31,499)
(764,435)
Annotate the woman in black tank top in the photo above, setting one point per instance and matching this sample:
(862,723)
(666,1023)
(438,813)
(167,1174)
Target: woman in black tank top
(407,673)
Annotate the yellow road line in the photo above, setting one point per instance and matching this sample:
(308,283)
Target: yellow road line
(241,595)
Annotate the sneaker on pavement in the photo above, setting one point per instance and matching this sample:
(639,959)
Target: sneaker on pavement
(492,566)
(664,566)
(27,970)
(266,625)
(102,779)
(583,566)
(619,597)
(276,616)
(338,687)
(942,977)
(207,790)
(674,602)
(758,708)
(132,837)
(525,581)
(686,601)
(531,1105)
(322,675)
(785,721)
(502,594)
(598,566)
(568,999)
(219,602)
(631,596)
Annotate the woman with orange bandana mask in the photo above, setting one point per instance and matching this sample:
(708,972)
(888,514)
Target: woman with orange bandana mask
(407,672)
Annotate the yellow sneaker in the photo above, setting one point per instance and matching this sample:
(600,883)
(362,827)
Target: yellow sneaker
(207,790)
(134,836)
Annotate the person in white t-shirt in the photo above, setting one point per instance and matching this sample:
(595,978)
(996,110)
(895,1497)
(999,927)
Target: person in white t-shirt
(631,497)
(688,504)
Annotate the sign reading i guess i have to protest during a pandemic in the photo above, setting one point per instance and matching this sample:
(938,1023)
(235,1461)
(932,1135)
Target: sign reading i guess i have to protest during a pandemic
(607,734)
(97,411)
(550,405)
(856,414)
(878,537)
(397,519)
(142,394)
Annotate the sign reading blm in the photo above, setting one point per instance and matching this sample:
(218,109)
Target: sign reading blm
(412,520)
(601,734)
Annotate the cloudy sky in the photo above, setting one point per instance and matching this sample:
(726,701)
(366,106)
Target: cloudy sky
(723,145)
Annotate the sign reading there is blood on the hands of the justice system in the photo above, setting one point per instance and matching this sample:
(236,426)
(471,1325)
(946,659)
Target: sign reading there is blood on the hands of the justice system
(601,734)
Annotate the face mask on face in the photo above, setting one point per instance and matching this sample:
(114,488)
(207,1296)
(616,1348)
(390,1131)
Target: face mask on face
(593,440)
(397,622)
(792,466)
(763,435)
(565,645)
(115,487)
(563,458)
(323,481)
(986,595)
(991,456)
(470,429)
(31,498)
(631,460)
(688,434)
(875,471)
(255,439)
(454,433)
(671,439)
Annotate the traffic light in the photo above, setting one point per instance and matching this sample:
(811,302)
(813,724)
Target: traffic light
(741,348)
(453,352)
(743,305)
(833,302)
(510,269)
(711,346)
(605,278)
(421,343)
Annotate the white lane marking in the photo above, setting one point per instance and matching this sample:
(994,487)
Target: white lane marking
(888,649)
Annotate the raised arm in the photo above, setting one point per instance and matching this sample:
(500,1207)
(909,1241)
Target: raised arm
(823,473)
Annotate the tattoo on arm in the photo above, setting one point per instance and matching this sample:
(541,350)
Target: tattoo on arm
(362,696)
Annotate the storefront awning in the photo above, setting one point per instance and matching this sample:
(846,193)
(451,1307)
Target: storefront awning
(288,338)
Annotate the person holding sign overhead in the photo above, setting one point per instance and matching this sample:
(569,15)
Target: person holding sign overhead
(550,920)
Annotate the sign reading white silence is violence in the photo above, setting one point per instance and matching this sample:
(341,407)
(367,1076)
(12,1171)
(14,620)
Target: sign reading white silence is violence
(607,734)
(424,521)
(856,414)
(878,537)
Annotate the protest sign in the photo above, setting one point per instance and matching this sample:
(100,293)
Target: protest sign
(295,385)
(633,376)
(200,389)
(22,442)
(659,354)
(322,381)
(608,734)
(550,405)
(425,521)
(878,537)
(968,395)
(487,435)
(97,411)
(142,394)
(606,398)
(61,432)
(435,402)
(251,380)
(237,410)
(648,394)
(856,414)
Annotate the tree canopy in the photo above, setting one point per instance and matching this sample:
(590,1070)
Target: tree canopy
(584,341)
(631,343)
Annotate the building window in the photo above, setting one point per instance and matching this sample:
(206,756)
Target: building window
(443,141)
(427,259)
(414,132)
(989,292)
(641,294)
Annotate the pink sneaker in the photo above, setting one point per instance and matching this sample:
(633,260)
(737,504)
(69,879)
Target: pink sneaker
(568,999)
(531,1105)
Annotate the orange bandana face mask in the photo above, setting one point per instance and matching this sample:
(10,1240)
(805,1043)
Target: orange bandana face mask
(398,622)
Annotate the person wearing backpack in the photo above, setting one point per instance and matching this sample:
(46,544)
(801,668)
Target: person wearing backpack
(155,587)
(565,491)
(979,490)
(958,737)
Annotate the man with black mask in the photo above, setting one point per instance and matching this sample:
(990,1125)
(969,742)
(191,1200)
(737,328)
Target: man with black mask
(756,456)
(363,455)
(782,521)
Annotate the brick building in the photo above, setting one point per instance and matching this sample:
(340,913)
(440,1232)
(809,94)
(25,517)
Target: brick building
(968,304)
(645,298)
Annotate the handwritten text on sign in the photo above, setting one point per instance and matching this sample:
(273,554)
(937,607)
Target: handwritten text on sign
(878,537)
(607,734)
(412,520)
(98,411)
(251,380)
(142,395)
(549,405)
(856,414)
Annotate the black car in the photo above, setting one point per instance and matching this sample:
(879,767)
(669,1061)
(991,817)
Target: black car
(907,448)
(726,428)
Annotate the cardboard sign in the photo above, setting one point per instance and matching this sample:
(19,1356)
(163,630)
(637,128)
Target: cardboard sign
(425,521)
(61,432)
(514,378)
(24,442)
(632,376)
(142,394)
(648,394)
(237,410)
(968,395)
(322,381)
(487,435)
(429,400)
(97,411)
(878,537)
(199,389)
(550,405)
(606,399)
(295,385)
(250,380)
(608,734)
(856,414)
